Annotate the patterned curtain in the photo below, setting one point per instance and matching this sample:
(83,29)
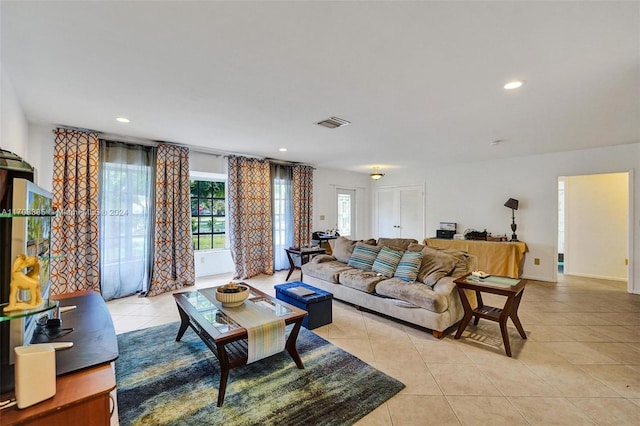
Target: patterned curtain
(74,245)
(249,198)
(173,265)
(302,204)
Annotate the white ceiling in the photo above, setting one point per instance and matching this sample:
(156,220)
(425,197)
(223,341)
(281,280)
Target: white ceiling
(421,82)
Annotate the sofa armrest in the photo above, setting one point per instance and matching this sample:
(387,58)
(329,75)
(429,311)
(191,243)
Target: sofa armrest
(447,287)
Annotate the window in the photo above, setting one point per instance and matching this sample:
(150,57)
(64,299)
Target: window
(346,202)
(208,214)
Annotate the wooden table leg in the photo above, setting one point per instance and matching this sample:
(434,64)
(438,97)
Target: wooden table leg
(291,344)
(504,316)
(184,324)
(480,305)
(224,372)
(514,315)
(292,265)
(468,313)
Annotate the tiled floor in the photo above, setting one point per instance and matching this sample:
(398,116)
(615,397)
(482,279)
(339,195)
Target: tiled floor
(579,366)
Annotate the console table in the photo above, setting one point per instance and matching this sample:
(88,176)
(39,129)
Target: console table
(304,254)
(85,373)
(494,257)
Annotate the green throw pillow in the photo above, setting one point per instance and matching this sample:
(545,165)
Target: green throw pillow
(409,266)
(363,256)
(387,261)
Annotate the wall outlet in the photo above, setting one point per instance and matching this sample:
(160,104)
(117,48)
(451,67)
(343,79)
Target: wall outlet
(201,259)
(536,261)
(321,217)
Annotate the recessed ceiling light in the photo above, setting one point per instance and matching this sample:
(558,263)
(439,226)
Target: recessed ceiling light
(513,85)
(283,149)
(122,119)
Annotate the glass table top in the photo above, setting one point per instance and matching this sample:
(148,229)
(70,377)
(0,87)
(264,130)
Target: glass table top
(45,306)
(203,301)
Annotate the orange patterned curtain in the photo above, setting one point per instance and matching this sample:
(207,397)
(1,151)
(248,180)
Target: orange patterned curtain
(249,198)
(74,244)
(302,205)
(173,265)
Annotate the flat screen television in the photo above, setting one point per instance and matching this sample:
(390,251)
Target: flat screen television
(31,209)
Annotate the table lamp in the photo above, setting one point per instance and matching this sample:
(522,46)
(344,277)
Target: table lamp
(512,203)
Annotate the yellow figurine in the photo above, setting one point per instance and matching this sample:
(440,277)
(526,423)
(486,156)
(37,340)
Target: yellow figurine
(21,281)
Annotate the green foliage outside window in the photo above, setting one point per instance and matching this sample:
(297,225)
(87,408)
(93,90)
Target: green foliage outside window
(208,214)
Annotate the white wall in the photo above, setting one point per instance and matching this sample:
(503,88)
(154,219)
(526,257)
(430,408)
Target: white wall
(325,182)
(13,124)
(473,195)
(596,222)
(40,153)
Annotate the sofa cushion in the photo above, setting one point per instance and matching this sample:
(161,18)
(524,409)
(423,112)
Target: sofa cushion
(464,261)
(396,243)
(363,256)
(327,270)
(387,261)
(417,293)
(409,266)
(343,248)
(360,280)
(435,264)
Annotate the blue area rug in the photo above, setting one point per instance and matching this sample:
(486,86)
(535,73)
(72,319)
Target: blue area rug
(164,382)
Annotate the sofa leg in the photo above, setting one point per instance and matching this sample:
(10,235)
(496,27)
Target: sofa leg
(437,334)
(358,308)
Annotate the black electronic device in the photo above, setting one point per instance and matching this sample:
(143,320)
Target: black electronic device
(445,234)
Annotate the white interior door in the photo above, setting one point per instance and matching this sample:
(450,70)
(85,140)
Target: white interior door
(400,212)
(387,220)
(411,213)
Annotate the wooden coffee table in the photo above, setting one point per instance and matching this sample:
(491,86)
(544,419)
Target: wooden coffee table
(227,339)
(512,288)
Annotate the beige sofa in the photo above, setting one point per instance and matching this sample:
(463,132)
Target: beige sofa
(431,301)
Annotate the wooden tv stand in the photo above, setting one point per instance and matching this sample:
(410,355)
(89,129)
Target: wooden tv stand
(82,397)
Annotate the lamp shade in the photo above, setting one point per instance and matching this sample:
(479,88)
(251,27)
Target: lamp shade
(512,203)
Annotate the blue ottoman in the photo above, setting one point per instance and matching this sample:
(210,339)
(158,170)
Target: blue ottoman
(318,304)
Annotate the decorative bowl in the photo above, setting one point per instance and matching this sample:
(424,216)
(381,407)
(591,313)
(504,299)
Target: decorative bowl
(232,295)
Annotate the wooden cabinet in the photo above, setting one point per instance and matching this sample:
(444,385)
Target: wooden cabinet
(81,399)
(86,375)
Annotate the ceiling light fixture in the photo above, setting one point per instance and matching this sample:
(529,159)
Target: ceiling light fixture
(513,85)
(122,119)
(376,175)
(283,149)
(333,122)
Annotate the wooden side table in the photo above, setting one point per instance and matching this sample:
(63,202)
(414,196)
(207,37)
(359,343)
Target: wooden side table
(513,289)
(304,254)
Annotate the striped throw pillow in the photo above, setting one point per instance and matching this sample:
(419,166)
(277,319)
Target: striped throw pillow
(409,266)
(363,256)
(387,262)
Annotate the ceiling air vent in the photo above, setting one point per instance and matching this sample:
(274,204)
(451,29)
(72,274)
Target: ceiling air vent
(333,122)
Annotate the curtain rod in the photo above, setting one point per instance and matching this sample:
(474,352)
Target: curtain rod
(149,142)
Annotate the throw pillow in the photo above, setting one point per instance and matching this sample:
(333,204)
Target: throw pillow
(435,265)
(343,249)
(363,256)
(387,261)
(409,266)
